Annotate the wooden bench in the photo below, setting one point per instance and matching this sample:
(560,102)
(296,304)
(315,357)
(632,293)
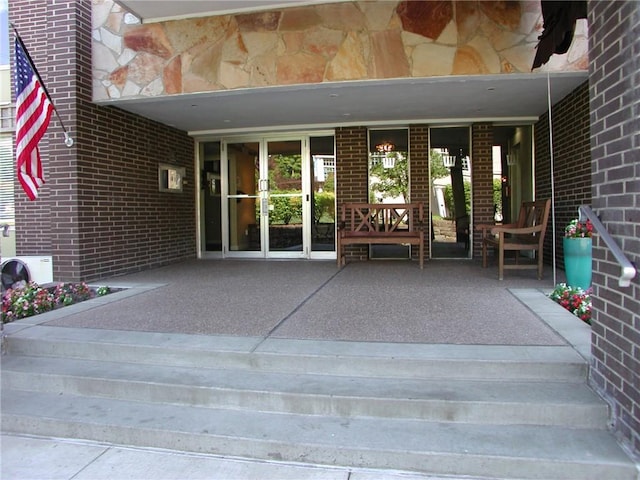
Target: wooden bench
(526,234)
(379,224)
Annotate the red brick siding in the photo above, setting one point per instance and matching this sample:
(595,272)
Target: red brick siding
(419,176)
(352,175)
(100,213)
(482,178)
(32,218)
(614,48)
(572,163)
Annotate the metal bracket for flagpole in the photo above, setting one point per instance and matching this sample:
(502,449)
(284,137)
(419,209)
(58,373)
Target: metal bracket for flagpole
(68,141)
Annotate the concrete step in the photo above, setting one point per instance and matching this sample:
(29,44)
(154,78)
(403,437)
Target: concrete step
(458,449)
(495,402)
(467,411)
(386,360)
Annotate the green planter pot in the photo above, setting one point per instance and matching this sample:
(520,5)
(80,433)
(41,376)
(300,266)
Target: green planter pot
(577,261)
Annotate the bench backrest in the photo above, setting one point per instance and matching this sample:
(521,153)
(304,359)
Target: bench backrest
(535,214)
(366,218)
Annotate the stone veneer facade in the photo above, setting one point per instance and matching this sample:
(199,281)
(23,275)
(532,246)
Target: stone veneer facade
(330,42)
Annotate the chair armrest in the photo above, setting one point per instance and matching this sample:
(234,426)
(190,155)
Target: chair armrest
(516,231)
(485,226)
(489,226)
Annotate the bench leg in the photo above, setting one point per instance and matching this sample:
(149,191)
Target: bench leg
(500,263)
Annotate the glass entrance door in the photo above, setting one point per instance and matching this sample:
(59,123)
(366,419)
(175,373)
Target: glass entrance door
(243,198)
(266,199)
(284,198)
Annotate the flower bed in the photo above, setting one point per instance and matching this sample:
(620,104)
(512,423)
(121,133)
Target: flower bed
(32,299)
(574,299)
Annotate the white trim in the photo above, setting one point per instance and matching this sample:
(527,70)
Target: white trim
(378,124)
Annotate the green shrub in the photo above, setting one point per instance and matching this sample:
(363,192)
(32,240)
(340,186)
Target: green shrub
(284,208)
(449,204)
(324,207)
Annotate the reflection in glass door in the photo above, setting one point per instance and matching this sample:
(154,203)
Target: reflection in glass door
(284,197)
(265,198)
(451,209)
(322,176)
(243,197)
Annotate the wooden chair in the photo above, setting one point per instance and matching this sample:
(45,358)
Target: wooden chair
(526,234)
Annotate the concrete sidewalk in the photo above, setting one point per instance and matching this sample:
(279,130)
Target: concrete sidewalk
(28,458)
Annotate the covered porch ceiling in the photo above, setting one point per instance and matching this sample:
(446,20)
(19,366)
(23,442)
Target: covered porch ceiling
(502,98)
(498,98)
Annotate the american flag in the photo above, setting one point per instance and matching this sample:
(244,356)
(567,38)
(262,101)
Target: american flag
(33,113)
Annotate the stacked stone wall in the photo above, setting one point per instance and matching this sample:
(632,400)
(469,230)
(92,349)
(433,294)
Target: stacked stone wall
(317,43)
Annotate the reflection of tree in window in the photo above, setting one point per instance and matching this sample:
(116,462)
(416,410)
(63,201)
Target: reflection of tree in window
(389,182)
(436,165)
(285,172)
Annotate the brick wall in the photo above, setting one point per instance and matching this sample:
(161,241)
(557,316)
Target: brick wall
(614,50)
(419,177)
(352,176)
(33,226)
(100,213)
(482,178)
(572,163)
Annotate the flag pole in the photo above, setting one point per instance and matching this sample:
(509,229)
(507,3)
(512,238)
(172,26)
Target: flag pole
(68,141)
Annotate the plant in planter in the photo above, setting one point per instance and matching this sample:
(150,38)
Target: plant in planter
(574,299)
(577,245)
(31,299)
(577,229)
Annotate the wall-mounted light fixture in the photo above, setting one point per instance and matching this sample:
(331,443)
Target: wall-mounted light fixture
(385,147)
(382,152)
(449,161)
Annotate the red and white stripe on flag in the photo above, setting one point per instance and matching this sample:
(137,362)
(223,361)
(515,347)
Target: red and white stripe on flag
(33,113)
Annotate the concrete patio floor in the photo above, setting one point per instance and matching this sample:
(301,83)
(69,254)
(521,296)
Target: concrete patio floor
(449,302)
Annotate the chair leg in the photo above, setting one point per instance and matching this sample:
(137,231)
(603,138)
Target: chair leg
(539,264)
(500,263)
(484,254)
